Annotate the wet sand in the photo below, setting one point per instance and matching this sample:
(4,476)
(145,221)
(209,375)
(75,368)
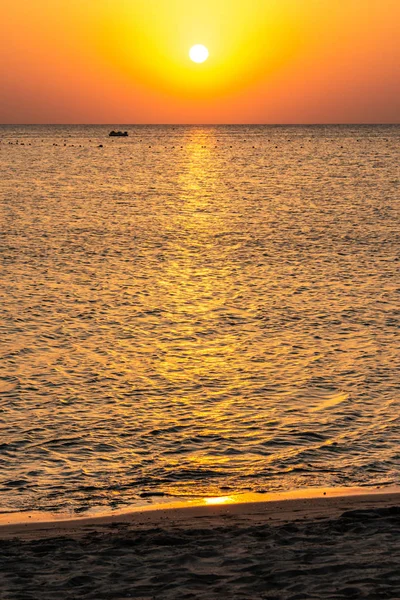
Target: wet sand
(329,546)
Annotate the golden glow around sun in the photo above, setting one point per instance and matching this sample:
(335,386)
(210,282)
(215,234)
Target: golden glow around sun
(198,53)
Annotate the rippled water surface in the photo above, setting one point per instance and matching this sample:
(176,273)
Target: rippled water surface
(197,310)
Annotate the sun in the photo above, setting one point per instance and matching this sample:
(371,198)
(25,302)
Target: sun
(198,53)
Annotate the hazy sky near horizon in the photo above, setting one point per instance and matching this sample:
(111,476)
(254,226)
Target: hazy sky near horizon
(271,61)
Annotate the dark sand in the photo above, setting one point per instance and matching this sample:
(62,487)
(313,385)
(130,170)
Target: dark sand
(326,547)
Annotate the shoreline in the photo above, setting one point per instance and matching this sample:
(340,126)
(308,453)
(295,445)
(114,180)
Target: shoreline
(332,546)
(273,508)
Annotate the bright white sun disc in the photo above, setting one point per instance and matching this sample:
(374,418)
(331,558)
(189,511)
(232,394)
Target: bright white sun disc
(198,53)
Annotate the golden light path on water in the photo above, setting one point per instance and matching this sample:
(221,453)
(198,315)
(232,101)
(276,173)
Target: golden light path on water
(196,312)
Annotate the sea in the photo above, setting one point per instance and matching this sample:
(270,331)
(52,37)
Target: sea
(197,311)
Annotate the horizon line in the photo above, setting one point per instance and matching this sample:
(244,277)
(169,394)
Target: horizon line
(361,124)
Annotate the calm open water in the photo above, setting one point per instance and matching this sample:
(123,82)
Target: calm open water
(197,311)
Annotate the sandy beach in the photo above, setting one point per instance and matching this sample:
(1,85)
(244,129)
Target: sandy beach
(328,545)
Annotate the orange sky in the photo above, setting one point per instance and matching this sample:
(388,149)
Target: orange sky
(271,61)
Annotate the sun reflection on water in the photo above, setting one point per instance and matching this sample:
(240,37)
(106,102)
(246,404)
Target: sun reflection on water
(219,500)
